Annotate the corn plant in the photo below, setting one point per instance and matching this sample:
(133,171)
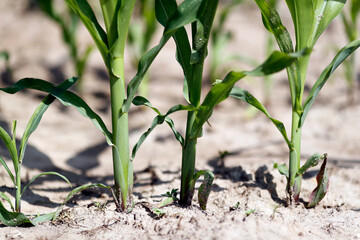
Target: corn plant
(15,217)
(310,19)
(350,23)
(141,33)
(191,58)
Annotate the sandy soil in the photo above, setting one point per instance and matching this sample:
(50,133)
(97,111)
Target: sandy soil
(67,143)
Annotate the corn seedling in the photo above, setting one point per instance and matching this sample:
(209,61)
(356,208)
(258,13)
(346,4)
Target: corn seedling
(350,23)
(141,33)
(310,19)
(17,156)
(191,59)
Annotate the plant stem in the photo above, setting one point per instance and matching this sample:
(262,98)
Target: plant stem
(121,161)
(18,189)
(189,149)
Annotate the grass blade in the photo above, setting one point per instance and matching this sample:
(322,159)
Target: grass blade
(42,174)
(6,198)
(329,70)
(2,161)
(245,96)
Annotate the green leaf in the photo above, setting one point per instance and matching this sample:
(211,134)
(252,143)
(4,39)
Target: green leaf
(77,190)
(11,146)
(221,90)
(322,186)
(13,219)
(186,13)
(205,188)
(87,16)
(311,162)
(158,120)
(43,218)
(245,96)
(42,174)
(37,116)
(2,161)
(329,70)
(283,169)
(6,198)
(67,98)
(164,10)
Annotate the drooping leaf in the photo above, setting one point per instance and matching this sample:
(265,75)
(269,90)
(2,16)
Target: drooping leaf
(13,219)
(329,70)
(37,116)
(245,96)
(2,161)
(43,174)
(6,198)
(221,90)
(158,120)
(322,186)
(205,188)
(311,162)
(67,98)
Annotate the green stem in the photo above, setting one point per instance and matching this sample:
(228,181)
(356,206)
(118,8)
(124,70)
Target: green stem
(121,162)
(189,148)
(18,189)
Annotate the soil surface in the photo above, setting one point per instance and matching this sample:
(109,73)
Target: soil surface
(248,198)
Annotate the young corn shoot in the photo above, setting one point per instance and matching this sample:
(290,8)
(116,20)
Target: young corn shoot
(15,217)
(191,58)
(310,19)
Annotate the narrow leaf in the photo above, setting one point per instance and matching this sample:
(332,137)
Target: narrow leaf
(6,198)
(37,116)
(2,161)
(42,174)
(329,70)
(221,90)
(322,186)
(10,145)
(245,96)
(67,98)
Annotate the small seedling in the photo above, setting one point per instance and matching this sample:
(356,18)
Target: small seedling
(17,156)
(235,207)
(310,20)
(249,211)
